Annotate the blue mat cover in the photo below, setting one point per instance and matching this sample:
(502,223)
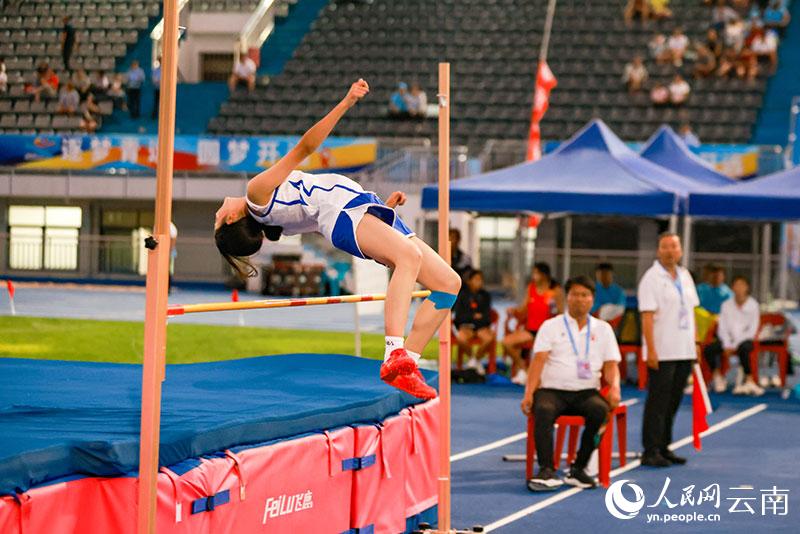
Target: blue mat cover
(62,418)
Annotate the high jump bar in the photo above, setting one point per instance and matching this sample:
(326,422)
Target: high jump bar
(181,309)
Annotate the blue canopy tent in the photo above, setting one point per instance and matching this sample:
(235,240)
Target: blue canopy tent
(592,173)
(667,149)
(775,197)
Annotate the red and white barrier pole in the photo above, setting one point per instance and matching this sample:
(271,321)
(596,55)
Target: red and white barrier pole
(11,289)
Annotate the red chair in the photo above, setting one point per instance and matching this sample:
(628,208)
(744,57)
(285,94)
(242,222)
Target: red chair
(474,341)
(575,422)
(780,347)
(623,364)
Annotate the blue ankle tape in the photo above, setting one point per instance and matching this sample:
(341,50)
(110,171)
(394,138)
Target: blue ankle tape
(442,300)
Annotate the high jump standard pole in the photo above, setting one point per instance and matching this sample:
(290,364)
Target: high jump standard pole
(444,329)
(155,321)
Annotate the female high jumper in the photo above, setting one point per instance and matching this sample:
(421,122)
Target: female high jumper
(284,200)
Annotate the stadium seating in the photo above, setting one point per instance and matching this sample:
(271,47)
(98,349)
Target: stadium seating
(493,46)
(30,34)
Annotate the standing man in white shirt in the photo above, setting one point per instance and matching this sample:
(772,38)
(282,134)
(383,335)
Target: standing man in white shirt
(736,329)
(571,351)
(667,298)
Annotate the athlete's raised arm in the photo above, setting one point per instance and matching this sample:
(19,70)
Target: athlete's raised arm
(260,188)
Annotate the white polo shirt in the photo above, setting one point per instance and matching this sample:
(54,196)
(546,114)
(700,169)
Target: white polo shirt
(738,323)
(561,368)
(659,293)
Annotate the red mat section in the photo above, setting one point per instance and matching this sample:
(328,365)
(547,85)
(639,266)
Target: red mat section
(367,477)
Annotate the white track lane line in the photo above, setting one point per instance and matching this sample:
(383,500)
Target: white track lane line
(505,441)
(725,423)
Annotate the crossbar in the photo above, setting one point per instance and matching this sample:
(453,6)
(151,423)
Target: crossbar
(181,309)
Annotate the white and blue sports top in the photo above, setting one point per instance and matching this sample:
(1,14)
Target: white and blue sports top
(330,204)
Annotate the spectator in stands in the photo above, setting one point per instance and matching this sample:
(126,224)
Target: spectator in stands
(776,16)
(634,8)
(715,291)
(714,43)
(82,83)
(3,76)
(100,83)
(688,136)
(764,44)
(661,10)
(659,94)
(735,33)
(134,88)
(68,100)
(679,90)
(677,44)
(116,91)
(738,323)
(544,299)
(398,102)
(155,77)
(571,353)
(89,113)
(46,84)
(472,318)
(607,292)
(747,64)
(728,62)
(635,75)
(705,63)
(69,40)
(722,14)
(659,49)
(459,260)
(244,73)
(417,101)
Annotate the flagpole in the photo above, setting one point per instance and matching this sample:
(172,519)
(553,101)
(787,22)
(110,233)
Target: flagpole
(533,149)
(548,28)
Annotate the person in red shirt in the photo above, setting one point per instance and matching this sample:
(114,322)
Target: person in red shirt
(544,299)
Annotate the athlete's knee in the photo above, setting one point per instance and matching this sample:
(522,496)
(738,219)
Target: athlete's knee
(452,282)
(407,255)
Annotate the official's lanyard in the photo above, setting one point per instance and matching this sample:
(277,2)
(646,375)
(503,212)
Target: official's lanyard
(676,282)
(572,339)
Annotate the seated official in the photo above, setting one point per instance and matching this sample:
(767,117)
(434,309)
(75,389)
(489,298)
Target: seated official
(736,329)
(473,310)
(607,292)
(570,353)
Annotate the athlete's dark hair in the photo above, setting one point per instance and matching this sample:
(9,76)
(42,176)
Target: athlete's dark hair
(237,241)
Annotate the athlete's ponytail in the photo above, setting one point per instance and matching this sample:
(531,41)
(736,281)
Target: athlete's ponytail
(237,241)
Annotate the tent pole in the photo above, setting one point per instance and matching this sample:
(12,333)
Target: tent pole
(567,247)
(673,223)
(783,280)
(766,263)
(155,331)
(445,328)
(687,242)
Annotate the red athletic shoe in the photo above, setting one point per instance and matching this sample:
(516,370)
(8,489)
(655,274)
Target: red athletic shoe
(399,363)
(413,384)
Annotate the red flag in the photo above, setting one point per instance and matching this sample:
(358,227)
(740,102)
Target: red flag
(11,289)
(545,82)
(235,295)
(701,406)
